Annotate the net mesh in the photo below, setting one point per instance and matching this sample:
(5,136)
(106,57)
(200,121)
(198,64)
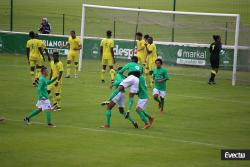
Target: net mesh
(187,29)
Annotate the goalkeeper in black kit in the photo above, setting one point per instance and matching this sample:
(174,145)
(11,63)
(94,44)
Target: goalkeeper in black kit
(215,49)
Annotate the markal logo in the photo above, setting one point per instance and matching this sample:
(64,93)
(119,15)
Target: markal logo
(179,53)
(235,154)
(192,54)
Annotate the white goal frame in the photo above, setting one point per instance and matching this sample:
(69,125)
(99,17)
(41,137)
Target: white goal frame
(236,16)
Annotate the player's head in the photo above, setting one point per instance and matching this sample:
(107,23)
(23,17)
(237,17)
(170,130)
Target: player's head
(146,37)
(216,38)
(73,33)
(32,34)
(134,59)
(109,34)
(44,71)
(138,35)
(150,40)
(44,20)
(55,55)
(119,68)
(158,63)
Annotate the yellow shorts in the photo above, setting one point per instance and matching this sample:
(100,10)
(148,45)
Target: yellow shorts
(73,56)
(108,62)
(150,65)
(55,89)
(36,61)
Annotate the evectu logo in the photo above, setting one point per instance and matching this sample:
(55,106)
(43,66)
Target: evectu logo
(235,154)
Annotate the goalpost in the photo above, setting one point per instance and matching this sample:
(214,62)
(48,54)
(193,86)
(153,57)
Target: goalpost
(236,17)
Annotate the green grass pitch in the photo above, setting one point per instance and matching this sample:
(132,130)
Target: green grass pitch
(199,121)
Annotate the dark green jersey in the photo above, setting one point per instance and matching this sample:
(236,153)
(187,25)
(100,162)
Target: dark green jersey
(42,87)
(132,68)
(143,90)
(159,74)
(118,79)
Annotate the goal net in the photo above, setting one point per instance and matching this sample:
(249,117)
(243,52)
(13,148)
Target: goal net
(182,38)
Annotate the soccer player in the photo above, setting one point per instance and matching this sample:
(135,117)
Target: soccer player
(135,70)
(160,76)
(215,49)
(107,55)
(118,99)
(142,103)
(55,89)
(145,53)
(74,45)
(140,48)
(145,43)
(150,57)
(43,103)
(34,53)
(43,46)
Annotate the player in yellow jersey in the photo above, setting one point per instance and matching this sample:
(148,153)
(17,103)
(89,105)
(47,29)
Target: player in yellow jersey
(55,89)
(34,52)
(145,55)
(151,57)
(140,48)
(74,45)
(107,55)
(43,46)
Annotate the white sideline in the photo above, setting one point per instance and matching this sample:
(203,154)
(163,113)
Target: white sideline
(133,134)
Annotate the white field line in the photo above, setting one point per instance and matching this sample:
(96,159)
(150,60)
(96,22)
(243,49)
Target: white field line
(134,134)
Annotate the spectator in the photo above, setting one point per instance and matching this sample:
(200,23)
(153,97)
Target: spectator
(45,27)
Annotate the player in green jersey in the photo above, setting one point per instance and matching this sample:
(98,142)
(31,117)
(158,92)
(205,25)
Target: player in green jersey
(142,103)
(119,99)
(43,103)
(160,76)
(134,70)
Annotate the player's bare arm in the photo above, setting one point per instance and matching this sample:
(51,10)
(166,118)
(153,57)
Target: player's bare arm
(79,47)
(65,46)
(41,52)
(101,51)
(162,80)
(112,53)
(148,51)
(59,78)
(28,55)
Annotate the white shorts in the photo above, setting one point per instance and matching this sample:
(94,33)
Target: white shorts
(43,104)
(132,82)
(142,103)
(159,92)
(119,99)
